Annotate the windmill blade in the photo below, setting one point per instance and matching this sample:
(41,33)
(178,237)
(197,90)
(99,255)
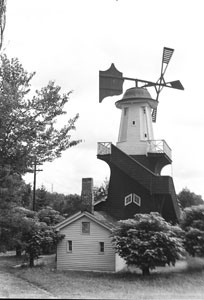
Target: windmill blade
(110,82)
(176,85)
(167,54)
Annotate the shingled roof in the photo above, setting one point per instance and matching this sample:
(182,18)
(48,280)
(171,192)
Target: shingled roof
(100,217)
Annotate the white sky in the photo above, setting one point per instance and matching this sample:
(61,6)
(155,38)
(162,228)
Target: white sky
(69,41)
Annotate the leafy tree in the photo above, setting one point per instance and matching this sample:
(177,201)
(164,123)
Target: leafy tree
(66,204)
(188,198)
(148,241)
(27,196)
(29,126)
(41,198)
(11,192)
(12,187)
(50,216)
(54,199)
(101,192)
(193,224)
(72,204)
(38,236)
(14,192)
(13,223)
(28,130)
(25,231)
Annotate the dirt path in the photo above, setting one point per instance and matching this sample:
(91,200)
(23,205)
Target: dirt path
(13,287)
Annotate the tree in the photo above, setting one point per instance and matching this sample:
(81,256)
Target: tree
(27,196)
(101,192)
(38,236)
(29,126)
(56,201)
(28,132)
(188,198)
(50,216)
(14,192)
(12,189)
(148,241)
(25,231)
(193,224)
(72,204)
(67,205)
(41,198)
(14,221)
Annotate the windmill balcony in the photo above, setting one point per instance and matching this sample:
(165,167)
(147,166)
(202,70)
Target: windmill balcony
(159,146)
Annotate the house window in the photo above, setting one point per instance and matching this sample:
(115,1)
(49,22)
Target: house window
(128,199)
(136,199)
(85,228)
(69,246)
(101,247)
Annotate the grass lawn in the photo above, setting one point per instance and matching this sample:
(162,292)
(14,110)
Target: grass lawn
(185,281)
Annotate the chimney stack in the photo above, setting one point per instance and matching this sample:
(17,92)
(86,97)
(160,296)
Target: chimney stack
(87,195)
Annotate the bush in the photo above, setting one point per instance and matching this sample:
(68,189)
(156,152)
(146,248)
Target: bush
(148,241)
(193,225)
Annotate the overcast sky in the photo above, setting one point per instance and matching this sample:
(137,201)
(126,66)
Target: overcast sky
(69,41)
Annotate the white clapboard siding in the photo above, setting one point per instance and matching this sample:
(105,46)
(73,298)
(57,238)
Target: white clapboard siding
(85,253)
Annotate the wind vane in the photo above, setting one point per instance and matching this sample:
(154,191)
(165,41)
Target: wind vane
(111,81)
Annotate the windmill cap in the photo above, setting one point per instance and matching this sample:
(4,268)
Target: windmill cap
(137,94)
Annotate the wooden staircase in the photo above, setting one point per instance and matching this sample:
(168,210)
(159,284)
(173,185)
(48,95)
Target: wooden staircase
(157,185)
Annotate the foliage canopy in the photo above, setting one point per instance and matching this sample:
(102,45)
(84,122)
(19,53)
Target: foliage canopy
(193,224)
(188,198)
(148,241)
(28,126)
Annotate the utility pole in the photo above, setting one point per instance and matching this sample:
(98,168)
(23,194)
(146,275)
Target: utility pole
(34,181)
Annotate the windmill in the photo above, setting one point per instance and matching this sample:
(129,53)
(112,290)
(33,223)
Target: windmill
(136,183)
(111,81)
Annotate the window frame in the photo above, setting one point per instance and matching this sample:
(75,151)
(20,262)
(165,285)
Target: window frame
(69,246)
(135,198)
(101,247)
(82,228)
(127,202)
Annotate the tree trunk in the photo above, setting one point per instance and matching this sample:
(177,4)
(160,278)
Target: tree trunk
(18,251)
(145,271)
(31,260)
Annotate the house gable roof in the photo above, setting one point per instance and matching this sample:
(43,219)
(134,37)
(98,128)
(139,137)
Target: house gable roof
(99,218)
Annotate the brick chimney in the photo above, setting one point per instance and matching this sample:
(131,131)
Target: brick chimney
(87,195)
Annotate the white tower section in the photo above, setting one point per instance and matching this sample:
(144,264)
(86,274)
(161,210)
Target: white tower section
(136,121)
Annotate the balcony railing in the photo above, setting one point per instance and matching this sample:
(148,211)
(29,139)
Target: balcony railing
(104,148)
(159,146)
(154,146)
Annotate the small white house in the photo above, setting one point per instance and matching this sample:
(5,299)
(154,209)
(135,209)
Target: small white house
(87,243)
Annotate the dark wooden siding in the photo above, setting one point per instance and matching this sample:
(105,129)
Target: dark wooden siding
(130,176)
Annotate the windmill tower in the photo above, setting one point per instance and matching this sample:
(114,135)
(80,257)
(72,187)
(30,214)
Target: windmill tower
(136,121)
(136,184)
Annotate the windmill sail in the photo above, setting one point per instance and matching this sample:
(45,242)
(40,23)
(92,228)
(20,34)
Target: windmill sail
(110,83)
(154,115)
